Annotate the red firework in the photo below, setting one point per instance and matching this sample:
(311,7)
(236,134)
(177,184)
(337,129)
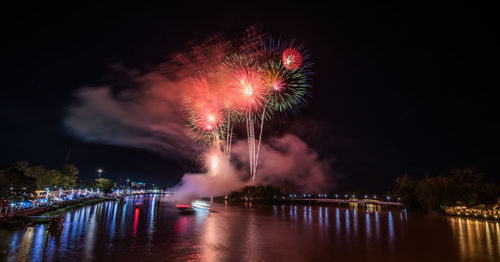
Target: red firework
(208,118)
(292,59)
(248,89)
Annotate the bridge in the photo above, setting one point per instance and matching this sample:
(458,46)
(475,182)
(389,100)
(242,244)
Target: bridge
(348,201)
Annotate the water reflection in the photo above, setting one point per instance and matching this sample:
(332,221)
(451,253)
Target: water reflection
(337,222)
(390,224)
(476,239)
(355,221)
(367,226)
(347,224)
(91,235)
(155,230)
(377,225)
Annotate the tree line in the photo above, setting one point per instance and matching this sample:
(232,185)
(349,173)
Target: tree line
(19,181)
(466,186)
(257,193)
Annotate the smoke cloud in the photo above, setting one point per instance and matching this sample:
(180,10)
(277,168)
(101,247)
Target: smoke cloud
(222,179)
(285,160)
(288,160)
(147,114)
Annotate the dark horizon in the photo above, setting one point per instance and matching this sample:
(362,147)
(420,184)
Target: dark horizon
(396,88)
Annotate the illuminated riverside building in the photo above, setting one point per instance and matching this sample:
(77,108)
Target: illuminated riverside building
(484,213)
(138,185)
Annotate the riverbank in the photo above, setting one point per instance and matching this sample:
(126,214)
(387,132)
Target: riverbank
(484,213)
(77,205)
(42,216)
(475,218)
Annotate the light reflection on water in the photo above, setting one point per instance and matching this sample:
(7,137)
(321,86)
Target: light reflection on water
(476,237)
(157,231)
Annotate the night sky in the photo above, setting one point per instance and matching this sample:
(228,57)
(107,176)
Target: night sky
(395,88)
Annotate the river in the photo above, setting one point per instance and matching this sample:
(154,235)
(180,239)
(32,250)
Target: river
(158,232)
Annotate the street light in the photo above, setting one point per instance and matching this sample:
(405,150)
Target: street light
(99,171)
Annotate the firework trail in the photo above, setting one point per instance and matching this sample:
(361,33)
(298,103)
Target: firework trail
(245,82)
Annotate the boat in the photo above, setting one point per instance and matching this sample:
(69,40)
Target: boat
(201,204)
(184,208)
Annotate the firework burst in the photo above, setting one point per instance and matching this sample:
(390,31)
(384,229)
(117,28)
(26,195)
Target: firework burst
(287,89)
(242,81)
(291,58)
